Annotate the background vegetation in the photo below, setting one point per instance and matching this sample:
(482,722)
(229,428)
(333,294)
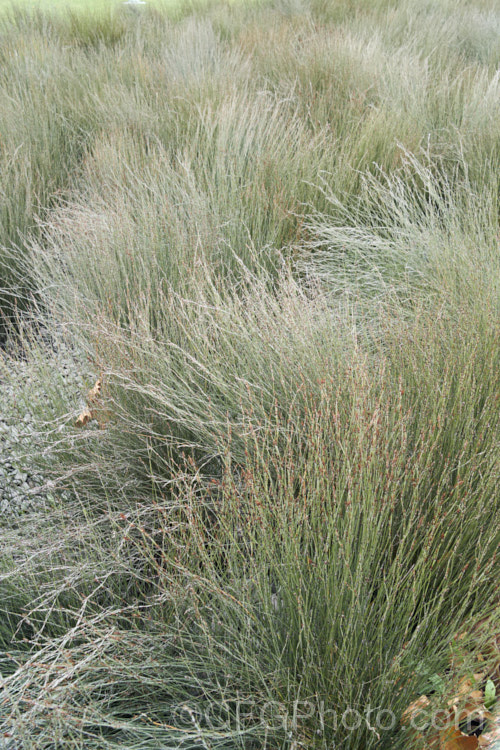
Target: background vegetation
(99,7)
(272,230)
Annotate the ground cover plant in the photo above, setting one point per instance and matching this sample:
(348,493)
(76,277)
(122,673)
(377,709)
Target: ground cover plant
(270,232)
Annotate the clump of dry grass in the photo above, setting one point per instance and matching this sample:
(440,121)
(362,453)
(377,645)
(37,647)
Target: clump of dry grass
(278,247)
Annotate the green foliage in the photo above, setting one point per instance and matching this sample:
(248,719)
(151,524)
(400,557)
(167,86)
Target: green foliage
(490,694)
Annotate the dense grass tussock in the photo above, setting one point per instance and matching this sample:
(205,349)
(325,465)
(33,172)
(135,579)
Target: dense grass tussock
(273,230)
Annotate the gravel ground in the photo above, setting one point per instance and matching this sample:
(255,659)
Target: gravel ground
(20,485)
(22,488)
